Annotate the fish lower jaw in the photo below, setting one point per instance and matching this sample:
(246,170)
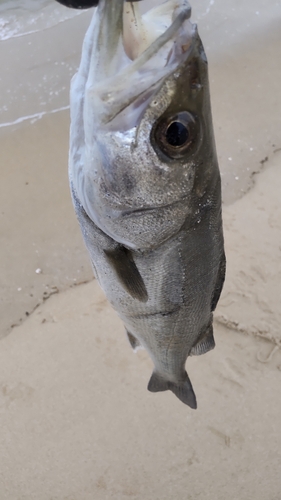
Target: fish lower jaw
(142,54)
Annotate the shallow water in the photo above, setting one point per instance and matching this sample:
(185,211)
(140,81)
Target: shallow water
(18,18)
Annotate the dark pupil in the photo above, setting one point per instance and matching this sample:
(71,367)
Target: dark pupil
(177,134)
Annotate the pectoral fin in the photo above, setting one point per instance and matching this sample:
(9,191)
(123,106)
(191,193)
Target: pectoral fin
(122,262)
(183,389)
(119,257)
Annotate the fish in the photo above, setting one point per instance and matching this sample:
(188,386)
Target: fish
(145,181)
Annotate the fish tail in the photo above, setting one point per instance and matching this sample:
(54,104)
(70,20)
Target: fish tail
(183,389)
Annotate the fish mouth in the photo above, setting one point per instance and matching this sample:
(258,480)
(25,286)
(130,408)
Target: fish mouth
(132,54)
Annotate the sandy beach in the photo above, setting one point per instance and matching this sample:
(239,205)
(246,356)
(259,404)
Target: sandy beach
(77,420)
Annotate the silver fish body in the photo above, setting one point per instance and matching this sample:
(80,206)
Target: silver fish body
(146,189)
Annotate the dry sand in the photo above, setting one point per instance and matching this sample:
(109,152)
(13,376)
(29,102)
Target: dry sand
(77,421)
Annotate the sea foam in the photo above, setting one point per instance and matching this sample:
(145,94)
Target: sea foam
(22,17)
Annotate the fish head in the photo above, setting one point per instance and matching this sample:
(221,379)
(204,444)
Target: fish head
(146,147)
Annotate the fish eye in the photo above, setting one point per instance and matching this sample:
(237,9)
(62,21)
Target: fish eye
(175,135)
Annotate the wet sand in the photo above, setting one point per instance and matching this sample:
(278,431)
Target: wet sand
(77,421)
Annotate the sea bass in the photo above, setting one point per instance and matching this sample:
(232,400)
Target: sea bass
(145,181)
